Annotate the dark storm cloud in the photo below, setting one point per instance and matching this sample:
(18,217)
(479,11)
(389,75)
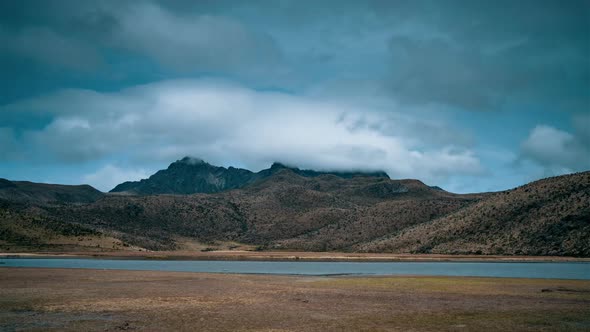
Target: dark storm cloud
(110,44)
(468,54)
(47,47)
(476,55)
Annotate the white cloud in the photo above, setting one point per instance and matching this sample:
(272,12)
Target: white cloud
(109,176)
(557,151)
(223,122)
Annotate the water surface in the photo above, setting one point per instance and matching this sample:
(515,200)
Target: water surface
(566,270)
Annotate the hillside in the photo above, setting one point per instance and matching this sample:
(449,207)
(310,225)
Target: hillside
(546,217)
(26,228)
(283,211)
(39,193)
(330,213)
(192,175)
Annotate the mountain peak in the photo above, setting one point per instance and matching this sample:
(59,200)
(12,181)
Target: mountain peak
(191,175)
(191,161)
(278,165)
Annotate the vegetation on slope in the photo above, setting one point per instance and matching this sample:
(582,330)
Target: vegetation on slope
(43,193)
(546,217)
(328,212)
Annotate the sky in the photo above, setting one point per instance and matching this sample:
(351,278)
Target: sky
(470,96)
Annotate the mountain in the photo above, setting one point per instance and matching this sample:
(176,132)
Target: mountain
(289,209)
(284,210)
(192,175)
(24,191)
(188,176)
(546,217)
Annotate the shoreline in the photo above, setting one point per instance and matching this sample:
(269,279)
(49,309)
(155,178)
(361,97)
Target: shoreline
(234,255)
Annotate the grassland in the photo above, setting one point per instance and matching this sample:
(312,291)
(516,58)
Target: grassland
(96,300)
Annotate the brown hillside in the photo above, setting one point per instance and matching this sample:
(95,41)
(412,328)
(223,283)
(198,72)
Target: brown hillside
(546,217)
(326,212)
(285,210)
(28,228)
(40,193)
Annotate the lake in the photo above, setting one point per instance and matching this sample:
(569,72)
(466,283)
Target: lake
(569,270)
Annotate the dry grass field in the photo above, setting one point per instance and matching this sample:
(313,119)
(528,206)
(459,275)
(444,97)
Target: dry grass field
(97,300)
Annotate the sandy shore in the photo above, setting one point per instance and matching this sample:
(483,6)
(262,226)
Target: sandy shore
(290,255)
(98,300)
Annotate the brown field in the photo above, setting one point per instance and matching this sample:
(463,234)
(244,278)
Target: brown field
(99,300)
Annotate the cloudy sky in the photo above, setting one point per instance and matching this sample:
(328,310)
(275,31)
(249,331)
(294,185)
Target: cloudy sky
(467,95)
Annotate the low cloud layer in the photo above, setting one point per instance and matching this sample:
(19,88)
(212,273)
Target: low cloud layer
(223,122)
(474,55)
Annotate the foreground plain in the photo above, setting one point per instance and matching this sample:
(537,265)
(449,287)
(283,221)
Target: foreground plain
(97,300)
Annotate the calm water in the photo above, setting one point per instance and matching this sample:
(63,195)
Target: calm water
(516,270)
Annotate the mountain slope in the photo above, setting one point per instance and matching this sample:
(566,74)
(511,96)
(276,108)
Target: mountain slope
(39,193)
(284,210)
(546,217)
(192,175)
(24,228)
(332,213)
